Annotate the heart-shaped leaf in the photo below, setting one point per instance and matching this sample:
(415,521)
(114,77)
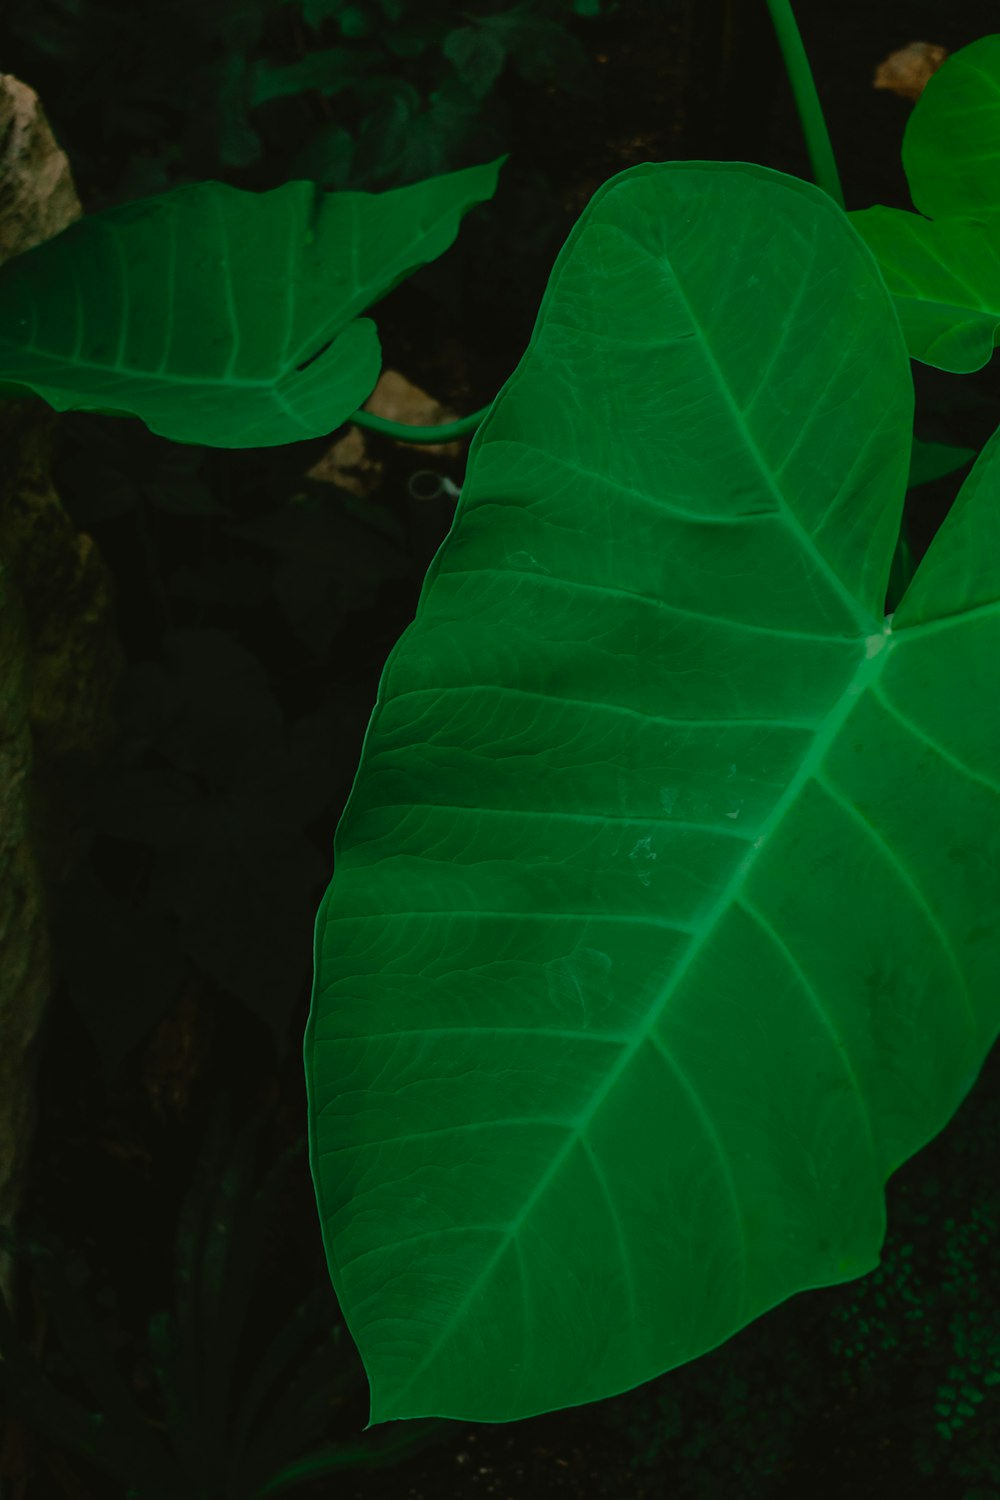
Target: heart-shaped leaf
(665,916)
(221,316)
(945,278)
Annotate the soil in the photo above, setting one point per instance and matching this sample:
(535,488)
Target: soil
(702,80)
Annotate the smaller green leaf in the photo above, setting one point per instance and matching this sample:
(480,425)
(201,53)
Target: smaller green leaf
(944,277)
(935,460)
(219,316)
(943,270)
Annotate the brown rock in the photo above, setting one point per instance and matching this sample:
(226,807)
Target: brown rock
(59,658)
(906,72)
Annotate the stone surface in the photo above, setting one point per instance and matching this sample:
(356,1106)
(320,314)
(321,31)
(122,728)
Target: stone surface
(906,72)
(59,659)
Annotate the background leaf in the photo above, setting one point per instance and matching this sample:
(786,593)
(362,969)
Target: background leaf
(946,167)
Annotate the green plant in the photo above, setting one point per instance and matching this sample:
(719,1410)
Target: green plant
(270,350)
(664,816)
(925,1315)
(233,1430)
(536,844)
(567,475)
(357,95)
(861,1370)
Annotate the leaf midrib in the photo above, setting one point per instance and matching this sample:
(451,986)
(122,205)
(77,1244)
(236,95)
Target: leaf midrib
(865,677)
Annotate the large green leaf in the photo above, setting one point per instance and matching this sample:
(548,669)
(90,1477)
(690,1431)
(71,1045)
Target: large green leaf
(220,316)
(665,916)
(944,270)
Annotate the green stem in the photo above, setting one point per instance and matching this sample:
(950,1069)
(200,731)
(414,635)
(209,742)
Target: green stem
(824,168)
(810,110)
(446,433)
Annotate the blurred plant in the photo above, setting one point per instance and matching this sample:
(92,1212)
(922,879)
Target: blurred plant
(956,1319)
(223,1438)
(898,1351)
(355,93)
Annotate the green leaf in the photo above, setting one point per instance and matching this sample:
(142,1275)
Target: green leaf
(945,275)
(949,145)
(219,316)
(935,460)
(665,916)
(945,278)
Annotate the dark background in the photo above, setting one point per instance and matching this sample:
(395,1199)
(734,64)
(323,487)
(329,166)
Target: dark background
(159,1034)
